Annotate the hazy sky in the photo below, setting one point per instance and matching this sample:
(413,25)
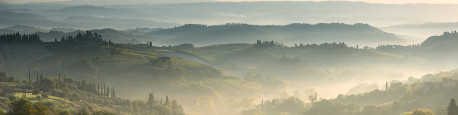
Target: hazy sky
(186,1)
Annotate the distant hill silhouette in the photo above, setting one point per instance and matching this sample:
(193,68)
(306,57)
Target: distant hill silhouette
(107,33)
(10,18)
(289,34)
(96,22)
(445,42)
(22,29)
(422,30)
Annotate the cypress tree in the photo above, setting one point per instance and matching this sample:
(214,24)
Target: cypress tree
(452,108)
(98,88)
(166,99)
(104,91)
(386,86)
(113,92)
(29,76)
(58,83)
(41,76)
(150,99)
(108,92)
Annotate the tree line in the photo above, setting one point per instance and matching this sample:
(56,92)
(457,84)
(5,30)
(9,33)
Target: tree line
(18,38)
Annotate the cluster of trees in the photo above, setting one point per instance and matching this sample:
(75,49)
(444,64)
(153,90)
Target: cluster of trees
(4,77)
(340,45)
(63,87)
(89,38)
(263,44)
(389,47)
(149,44)
(18,38)
(25,107)
(81,37)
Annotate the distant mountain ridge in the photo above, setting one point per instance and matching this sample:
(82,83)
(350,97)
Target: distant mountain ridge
(422,30)
(10,18)
(22,29)
(82,19)
(289,34)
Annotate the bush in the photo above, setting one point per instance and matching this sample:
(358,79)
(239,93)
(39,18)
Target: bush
(74,97)
(44,95)
(420,112)
(65,113)
(2,112)
(102,112)
(11,97)
(36,92)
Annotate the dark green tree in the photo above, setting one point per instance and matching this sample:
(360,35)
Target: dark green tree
(176,108)
(452,108)
(150,99)
(46,85)
(102,112)
(75,97)
(113,92)
(83,111)
(108,92)
(3,76)
(36,92)
(41,109)
(166,100)
(22,107)
(65,112)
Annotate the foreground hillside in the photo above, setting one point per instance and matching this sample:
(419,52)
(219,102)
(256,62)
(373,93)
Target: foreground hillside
(56,96)
(200,88)
(427,95)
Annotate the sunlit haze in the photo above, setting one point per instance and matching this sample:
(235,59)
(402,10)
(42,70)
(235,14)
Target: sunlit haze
(228,57)
(190,1)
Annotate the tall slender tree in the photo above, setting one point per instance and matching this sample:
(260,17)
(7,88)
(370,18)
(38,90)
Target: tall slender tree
(37,77)
(166,100)
(104,91)
(41,76)
(29,76)
(58,82)
(113,92)
(386,86)
(98,88)
(108,92)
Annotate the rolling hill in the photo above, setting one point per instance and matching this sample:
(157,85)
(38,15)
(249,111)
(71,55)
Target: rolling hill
(10,18)
(288,34)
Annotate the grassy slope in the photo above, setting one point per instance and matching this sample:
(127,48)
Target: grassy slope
(134,74)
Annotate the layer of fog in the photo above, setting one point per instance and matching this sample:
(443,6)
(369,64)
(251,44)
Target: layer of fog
(262,13)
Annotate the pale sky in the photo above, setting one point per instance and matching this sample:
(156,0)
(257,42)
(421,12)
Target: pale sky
(187,1)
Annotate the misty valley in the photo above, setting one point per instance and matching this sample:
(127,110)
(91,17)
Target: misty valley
(227,58)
